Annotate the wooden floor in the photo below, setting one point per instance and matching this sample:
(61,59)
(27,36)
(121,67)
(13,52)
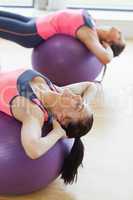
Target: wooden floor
(108,162)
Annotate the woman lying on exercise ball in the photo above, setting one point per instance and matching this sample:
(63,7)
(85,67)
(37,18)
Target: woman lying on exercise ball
(33,100)
(105,43)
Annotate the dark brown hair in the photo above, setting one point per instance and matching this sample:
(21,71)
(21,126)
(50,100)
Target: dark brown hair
(74,159)
(117,48)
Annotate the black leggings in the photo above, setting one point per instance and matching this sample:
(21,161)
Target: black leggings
(19,29)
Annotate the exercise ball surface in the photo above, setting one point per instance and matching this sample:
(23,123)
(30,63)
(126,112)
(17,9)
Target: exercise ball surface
(18,173)
(65,60)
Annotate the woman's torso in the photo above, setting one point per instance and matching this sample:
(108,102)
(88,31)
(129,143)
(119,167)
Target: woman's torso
(16,83)
(63,22)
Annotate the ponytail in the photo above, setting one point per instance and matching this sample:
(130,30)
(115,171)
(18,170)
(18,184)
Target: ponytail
(72,162)
(74,159)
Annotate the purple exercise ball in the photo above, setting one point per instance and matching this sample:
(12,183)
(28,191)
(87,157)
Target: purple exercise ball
(20,174)
(65,60)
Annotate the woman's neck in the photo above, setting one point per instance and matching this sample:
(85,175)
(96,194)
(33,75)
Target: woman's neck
(103,34)
(50,99)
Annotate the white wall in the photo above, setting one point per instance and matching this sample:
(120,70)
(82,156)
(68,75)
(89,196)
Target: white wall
(122,20)
(56,4)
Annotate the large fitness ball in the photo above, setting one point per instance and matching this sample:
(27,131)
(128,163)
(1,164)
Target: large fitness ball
(65,60)
(18,173)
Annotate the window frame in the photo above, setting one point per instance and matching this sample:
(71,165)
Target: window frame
(23,6)
(100,8)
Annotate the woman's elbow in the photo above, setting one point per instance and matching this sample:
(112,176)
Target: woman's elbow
(105,60)
(32,151)
(107,57)
(32,156)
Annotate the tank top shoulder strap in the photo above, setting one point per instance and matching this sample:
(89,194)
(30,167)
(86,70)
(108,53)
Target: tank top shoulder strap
(89,21)
(25,89)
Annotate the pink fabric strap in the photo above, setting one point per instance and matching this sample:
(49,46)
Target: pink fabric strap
(38,103)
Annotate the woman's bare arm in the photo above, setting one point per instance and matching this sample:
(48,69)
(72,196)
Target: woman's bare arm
(35,146)
(82,88)
(87,90)
(32,117)
(91,41)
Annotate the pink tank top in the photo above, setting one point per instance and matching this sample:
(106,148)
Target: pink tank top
(16,83)
(63,22)
(8,89)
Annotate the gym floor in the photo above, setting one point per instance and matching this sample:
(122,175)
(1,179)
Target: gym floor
(108,162)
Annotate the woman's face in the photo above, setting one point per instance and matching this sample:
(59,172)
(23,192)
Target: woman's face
(115,36)
(72,108)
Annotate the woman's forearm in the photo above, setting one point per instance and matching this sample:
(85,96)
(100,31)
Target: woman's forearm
(44,144)
(90,93)
(34,144)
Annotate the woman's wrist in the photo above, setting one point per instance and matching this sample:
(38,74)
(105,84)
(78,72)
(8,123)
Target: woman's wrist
(108,50)
(110,53)
(60,132)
